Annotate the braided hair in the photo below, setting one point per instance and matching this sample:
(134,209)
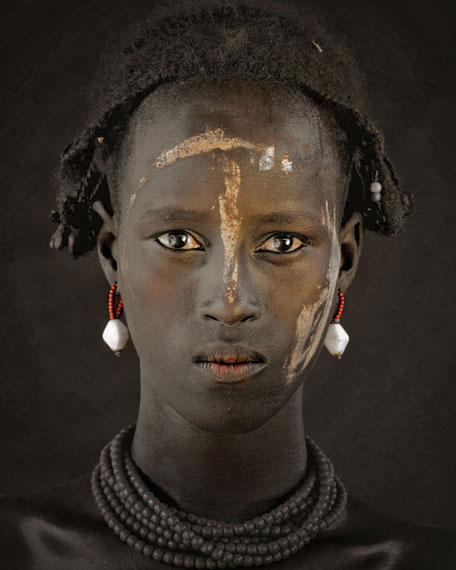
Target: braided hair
(271,42)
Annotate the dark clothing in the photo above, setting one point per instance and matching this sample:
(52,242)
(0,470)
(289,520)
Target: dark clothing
(63,530)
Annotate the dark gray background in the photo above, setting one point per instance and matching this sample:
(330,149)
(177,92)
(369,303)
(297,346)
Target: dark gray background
(385,414)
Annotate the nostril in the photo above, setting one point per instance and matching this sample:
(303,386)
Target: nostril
(248,318)
(210,317)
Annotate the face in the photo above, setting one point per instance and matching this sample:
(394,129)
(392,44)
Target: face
(228,247)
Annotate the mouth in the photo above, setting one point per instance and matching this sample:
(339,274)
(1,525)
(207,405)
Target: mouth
(230,364)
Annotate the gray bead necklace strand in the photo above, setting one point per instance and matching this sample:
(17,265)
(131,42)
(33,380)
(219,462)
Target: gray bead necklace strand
(186,540)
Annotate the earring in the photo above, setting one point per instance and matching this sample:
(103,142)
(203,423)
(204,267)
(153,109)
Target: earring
(116,333)
(336,338)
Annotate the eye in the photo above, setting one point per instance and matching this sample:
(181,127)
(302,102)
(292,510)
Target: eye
(179,240)
(283,243)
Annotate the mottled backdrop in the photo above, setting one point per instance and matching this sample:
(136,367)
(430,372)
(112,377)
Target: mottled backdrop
(384,414)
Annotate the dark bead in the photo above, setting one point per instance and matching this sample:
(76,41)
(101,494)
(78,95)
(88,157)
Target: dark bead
(161,542)
(200,563)
(217,553)
(268,559)
(207,547)
(292,538)
(238,559)
(230,547)
(249,527)
(206,531)
(273,547)
(168,534)
(178,559)
(275,531)
(248,560)
(159,530)
(139,545)
(136,526)
(148,550)
(171,545)
(124,534)
(241,548)
(262,548)
(211,564)
(217,532)
(168,557)
(283,542)
(197,542)
(252,549)
(259,522)
(277,557)
(189,561)
(158,554)
(131,540)
(258,560)
(118,527)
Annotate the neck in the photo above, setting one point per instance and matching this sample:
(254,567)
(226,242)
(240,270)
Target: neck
(228,477)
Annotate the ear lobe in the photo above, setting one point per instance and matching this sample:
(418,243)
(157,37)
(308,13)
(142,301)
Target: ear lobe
(351,239)
(107,243)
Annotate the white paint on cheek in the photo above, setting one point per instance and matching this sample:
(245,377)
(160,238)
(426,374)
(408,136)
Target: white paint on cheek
(314,317)
(267,159)
(230,224)
(286,164)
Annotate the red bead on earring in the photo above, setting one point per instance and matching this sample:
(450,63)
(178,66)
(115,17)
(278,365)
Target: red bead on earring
(336,337)
(115,333)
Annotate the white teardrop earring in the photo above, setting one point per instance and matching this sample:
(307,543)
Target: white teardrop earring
(336,338)
(115,333)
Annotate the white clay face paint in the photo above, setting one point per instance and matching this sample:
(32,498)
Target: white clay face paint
(267,159)
(286,165)
(305,347)
(230,224)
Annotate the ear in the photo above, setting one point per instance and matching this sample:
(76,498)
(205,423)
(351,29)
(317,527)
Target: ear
(107,243)
(351,239)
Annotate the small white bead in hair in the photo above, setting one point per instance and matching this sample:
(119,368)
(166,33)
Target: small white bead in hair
(376,189)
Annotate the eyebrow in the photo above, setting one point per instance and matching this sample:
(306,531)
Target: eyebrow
(286,218)
(179,214)
(175,214)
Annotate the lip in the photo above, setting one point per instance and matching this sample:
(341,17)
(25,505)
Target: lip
(230,363)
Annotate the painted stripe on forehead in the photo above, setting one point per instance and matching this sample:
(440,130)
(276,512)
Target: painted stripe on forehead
(205,142)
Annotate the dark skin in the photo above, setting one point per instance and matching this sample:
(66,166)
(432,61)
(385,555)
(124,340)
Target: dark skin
(227,443)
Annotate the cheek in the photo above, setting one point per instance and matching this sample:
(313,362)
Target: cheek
(311,319)
(157,293)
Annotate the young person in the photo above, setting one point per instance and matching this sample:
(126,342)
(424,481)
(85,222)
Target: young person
(226,183)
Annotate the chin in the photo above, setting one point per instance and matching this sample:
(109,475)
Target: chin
(234,411)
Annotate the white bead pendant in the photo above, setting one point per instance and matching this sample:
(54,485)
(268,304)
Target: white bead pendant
(336,339)
(116,335)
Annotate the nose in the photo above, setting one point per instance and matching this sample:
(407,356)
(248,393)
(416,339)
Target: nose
(241,306)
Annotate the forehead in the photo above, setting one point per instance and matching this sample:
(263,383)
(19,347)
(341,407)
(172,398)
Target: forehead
(190,117)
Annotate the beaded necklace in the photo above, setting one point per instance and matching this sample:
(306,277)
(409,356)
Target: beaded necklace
(186,540)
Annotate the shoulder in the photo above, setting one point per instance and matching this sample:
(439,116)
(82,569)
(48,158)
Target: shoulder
(58,528)
(377,540)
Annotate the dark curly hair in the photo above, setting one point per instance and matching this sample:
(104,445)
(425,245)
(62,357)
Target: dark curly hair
(274,43)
